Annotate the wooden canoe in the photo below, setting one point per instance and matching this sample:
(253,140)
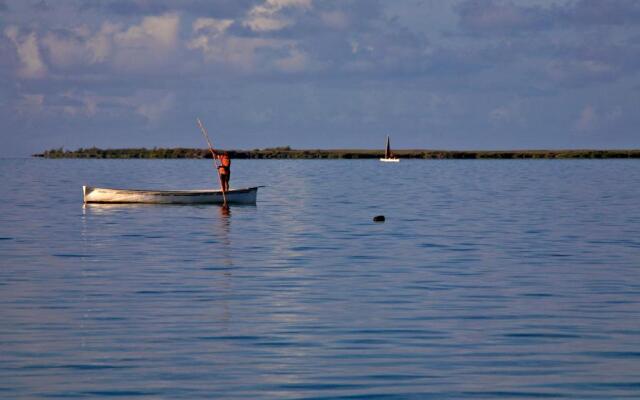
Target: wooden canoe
(207,196)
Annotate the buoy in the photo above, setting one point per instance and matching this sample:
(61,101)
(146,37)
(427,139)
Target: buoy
(378,218)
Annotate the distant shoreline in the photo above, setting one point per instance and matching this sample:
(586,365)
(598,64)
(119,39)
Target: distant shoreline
(289,153)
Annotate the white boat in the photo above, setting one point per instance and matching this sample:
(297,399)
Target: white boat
(388,157)
(207,196)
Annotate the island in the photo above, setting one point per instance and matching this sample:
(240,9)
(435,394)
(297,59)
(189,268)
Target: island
(286,152)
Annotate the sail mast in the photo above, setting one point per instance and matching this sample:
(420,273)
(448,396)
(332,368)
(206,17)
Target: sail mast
(387,151)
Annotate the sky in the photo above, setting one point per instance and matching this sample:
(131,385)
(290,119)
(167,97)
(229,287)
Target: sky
(432,74)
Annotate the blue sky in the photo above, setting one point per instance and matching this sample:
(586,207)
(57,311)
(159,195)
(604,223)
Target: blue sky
(463,74)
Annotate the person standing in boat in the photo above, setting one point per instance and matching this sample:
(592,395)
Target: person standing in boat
(224,169)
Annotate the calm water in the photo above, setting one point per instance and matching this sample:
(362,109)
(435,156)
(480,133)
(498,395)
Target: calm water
(490,279)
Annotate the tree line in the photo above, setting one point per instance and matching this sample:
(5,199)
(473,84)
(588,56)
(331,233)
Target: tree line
(286,152)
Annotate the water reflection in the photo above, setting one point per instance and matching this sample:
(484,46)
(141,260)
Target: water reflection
(113,209)
(223,228)
(467,291)
(222,265)
(106,208)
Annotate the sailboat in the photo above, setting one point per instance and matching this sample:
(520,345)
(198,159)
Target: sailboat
(388,156)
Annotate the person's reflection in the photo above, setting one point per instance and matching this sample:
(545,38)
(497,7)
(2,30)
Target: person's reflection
(225,266)
(225,233)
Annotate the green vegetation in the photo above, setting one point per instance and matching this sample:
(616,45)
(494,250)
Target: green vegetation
(288,152)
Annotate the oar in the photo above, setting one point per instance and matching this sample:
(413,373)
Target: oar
(215,162)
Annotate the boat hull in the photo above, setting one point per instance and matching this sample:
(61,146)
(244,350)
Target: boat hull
(390,159)
(104,195)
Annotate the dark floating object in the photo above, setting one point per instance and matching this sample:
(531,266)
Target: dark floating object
(378,218)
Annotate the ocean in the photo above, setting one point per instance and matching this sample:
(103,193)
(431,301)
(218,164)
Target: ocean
(509,279)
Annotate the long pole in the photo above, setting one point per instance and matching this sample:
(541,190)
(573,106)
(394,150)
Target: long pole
(215,160)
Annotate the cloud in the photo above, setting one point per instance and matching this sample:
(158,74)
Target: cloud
(563,44)
(247,44)
(69,103)
(149,43)
(246,53)
(597,59)
(212,25)
(594,13)
(514,18)
(127,7)
(68,48)
(157,32)
(32,66)
(134,47)
(486,67)
(78,46)
(498,16)
(267,17)
(262,24)
(199,8)
(152,105)
(101,44)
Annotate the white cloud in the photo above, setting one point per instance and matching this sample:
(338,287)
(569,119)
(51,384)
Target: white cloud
(28,51)
(250,54)
(78,46)
(101,44)
(149,43)
(212,25)
(240,52)
(139,46)
(264,24)
(65,51)
(278,4)
(246,54)
(253,52)
(158,32)
(266,17)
